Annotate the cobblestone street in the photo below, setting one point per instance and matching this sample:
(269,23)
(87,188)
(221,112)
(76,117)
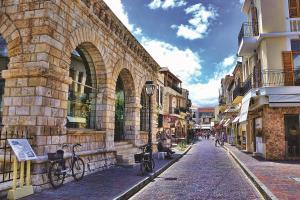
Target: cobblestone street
(206,172)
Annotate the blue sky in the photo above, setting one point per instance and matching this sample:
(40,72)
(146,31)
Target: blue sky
(195,39)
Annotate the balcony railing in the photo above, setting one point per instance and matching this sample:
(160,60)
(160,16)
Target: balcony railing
(248,29)
(177,89)
(295,25)
(268,78)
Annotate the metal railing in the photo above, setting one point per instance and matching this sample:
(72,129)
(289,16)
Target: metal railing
(248,29)
(268,78)
(177,89)
(6,153)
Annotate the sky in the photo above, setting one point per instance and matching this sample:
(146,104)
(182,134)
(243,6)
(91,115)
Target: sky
(195,39)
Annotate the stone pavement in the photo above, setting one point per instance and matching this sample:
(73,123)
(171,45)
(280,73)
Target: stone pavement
(206,172)
(107,184)
(276,176)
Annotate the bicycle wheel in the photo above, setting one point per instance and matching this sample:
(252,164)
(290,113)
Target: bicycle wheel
(78,169)
(55,174)
(142,168)
(149,165)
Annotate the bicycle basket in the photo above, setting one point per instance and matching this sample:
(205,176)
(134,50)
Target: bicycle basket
(59,155)
(138,157)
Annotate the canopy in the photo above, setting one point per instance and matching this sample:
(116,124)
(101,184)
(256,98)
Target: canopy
(227,122)
(284,100)
(244,111)
(236,120)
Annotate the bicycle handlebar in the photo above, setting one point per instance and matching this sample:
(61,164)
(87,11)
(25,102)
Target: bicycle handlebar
(75,145)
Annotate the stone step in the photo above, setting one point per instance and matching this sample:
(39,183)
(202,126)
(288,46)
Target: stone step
(122,147)
(127,151)
(121,143)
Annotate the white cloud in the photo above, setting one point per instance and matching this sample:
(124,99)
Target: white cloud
(242,1)
(206,94)
(229,61)
(166,4)
(182,62)
(198,25)
(118,9)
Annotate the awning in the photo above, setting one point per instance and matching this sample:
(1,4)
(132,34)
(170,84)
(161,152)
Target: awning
(76,119)
(236,120)
(244,110)
(227,123)
(284,100)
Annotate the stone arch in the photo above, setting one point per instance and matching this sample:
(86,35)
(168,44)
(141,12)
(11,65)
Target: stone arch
(129,129)
(12,36)
(89,44)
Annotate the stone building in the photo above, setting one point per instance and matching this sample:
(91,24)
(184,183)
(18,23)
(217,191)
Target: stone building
(175,105)
(72,73)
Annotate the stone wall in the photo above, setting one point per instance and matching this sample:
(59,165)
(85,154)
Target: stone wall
(41,35)
(274,131)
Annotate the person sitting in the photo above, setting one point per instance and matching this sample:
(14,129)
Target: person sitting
(161,148)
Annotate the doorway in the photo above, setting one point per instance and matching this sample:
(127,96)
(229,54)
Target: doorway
(292,135)
(120,111)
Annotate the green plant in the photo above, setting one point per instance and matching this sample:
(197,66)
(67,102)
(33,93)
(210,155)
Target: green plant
(182,145)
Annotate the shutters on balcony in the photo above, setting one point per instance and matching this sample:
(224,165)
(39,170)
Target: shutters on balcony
(287,58)
(294,8)
(254,21)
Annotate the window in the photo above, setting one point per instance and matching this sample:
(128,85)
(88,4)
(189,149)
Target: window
(292,135)
(80,100)
(160,120)
(294,8)
(3,65)
(295,45)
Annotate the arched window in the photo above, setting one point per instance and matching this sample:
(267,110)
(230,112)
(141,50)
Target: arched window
(144,112)
(81,100)
(4,60)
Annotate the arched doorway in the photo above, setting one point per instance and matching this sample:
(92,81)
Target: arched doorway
(120,111)
(124,107)
(82,92)
(4,60)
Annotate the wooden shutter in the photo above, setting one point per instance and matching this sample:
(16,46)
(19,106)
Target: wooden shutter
(254,21)
(294,8)
(287,58)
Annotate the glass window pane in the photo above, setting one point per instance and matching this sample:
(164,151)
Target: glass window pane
(3,47)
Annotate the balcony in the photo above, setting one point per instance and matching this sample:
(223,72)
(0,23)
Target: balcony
(247,39)
(177,89)
(240,90)
(268,78)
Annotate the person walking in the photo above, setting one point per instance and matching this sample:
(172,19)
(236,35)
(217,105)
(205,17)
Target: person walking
(217,139)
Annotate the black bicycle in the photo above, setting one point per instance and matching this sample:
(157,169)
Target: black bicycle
(58,170)
(146,161)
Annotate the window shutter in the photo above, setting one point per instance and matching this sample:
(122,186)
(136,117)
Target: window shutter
(294,8)
(287,58)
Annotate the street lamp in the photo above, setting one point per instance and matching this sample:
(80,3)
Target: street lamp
(150,89)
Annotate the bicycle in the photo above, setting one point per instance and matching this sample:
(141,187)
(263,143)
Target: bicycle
(58,170)
(146,161)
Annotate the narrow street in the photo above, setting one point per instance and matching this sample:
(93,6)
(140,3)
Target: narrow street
(206,172)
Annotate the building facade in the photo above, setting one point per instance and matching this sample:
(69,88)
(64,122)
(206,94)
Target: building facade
(269,46)
(175,105)
(72,73)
